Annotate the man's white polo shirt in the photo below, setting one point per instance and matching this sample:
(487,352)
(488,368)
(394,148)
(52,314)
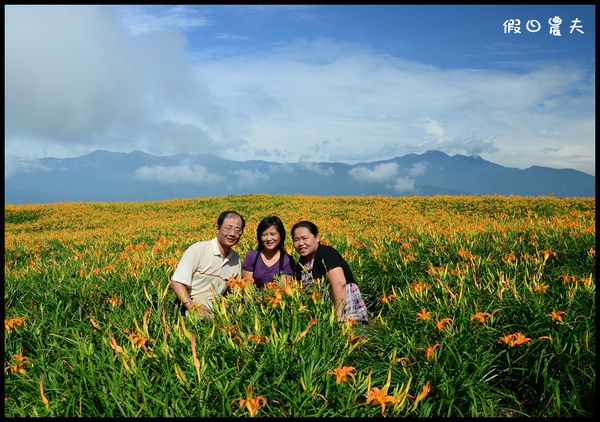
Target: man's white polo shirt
(205,272)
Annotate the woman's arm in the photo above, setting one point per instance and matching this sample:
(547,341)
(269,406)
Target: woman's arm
(337,280)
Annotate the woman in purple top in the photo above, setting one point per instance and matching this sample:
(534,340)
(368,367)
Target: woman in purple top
(270,258)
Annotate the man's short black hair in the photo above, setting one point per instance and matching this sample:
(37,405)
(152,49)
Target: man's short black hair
(229,213)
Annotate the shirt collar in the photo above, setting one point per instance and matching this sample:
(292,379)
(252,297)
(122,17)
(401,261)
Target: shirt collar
(215,247)
(217,250)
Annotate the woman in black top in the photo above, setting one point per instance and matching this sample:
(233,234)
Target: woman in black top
(318,261)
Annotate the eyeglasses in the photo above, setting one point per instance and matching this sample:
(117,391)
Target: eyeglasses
(234,230)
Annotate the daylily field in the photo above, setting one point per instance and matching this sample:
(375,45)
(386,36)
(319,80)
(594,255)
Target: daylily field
(479,306)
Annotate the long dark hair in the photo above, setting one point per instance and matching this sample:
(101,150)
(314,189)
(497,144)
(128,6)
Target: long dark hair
(267,222)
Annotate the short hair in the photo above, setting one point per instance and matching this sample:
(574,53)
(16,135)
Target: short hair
(229,213)
(267,222)
(306,224)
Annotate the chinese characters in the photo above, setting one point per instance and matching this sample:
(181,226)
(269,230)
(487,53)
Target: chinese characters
(513,26)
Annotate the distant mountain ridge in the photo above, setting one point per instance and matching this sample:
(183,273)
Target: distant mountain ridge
(138,176)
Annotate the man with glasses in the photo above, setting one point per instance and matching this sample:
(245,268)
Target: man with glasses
(203,271)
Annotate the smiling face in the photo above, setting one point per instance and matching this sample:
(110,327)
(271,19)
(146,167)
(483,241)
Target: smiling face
(305,242)
(229,233)
(270,238)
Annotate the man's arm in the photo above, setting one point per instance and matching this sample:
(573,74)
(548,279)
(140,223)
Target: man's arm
(182,294)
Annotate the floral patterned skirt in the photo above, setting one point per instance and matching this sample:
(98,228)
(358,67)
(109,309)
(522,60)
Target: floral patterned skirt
(356,309)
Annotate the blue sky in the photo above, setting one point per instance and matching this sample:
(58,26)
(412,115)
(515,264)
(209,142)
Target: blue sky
(305,83)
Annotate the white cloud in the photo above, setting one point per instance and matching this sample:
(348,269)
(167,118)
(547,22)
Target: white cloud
(185,172)
(317,168)
(418,169)
(231,37)
(379,174)
(470,145)
(250,178)
(278,169)
(328,90)
(14,165)
(404,185)
(144,19)
(76,79)
(388,173)
(434,128)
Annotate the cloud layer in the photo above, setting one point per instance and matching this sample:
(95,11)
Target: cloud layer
(390,174)
(185,172)
(80,78)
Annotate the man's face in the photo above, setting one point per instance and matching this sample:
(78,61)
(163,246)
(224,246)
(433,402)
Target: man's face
(230,231)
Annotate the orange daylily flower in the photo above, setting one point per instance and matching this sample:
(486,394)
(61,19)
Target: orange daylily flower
(303,333)
(404,360)
(115,346)
(269,287)
(567,278)
(557,315)
(515,339)
(442,323)
(429,352)
(42,395)
(386,299)
(342,373)
(256,338)
(547,254)
(315,296)
(287,289)
(114,301)
(466,254)
(424,315)
(242,283)
(13,323)
(419,287)
(540,288)
(195,356)
(136,337)
(350,323)
(423,393)
(352,336)
(509,259)
(409,257)
(252,403)
(480,316)
(379,397)
(19,365)
(587,280)
(274,301)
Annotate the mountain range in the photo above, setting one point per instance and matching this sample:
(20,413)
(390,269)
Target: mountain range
(138,176)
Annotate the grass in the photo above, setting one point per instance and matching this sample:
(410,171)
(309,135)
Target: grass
(91,327)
